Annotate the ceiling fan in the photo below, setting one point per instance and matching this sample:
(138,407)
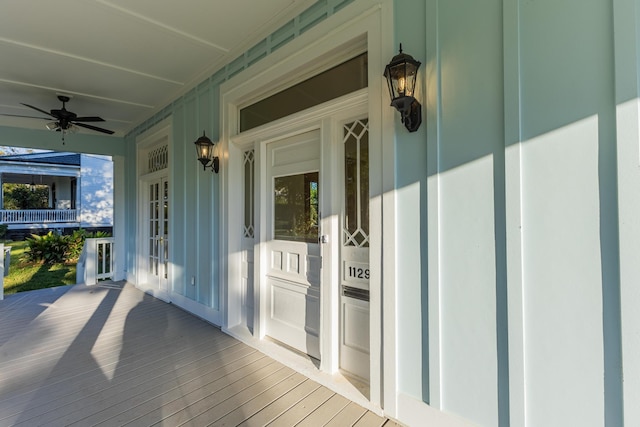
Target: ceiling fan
(66,121)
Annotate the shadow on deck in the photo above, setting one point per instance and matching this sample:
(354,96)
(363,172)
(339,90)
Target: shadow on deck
(112,355)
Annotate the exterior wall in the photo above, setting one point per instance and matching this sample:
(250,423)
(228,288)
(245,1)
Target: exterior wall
(531,137)
(95,189)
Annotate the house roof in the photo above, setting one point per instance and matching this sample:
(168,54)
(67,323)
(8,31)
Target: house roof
(51,158)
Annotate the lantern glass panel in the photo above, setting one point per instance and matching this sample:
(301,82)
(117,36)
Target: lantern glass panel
(410,79)
(402,77)
(204,150)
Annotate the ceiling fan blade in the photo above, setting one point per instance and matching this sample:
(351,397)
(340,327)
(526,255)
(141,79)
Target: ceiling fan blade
(37,109)
(107,131)
(26,117)
(89,119)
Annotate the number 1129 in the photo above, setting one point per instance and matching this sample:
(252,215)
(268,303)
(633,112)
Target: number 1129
(358,273)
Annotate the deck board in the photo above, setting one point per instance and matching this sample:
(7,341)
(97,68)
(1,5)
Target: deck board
(348,416)
(112,355)
(280,405)
(303,408)
(324,412)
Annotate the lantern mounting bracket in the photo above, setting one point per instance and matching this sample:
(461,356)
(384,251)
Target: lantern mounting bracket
(410,112)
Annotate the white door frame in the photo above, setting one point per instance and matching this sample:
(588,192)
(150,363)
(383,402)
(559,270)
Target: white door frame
(156,136)
(328,118)
(359,24)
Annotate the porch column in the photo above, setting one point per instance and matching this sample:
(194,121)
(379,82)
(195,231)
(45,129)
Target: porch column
(77,195)
(119,218)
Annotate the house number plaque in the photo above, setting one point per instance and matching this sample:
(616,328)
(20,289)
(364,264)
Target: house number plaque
(356,272)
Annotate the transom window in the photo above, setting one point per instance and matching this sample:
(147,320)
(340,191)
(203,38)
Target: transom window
(340,80)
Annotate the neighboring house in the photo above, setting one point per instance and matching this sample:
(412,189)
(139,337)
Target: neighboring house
(482,270)
(80,190)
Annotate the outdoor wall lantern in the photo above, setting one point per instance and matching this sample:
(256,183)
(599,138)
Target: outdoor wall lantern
(401,75)
(205,149)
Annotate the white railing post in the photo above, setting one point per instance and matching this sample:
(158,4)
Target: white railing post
(96,262)
(90,264)
(105,258)
(81,265)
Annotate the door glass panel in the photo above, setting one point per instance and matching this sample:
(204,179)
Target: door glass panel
(296,207)
(107,255)
(248,193)
(166,257)
(351,185)
(356,178)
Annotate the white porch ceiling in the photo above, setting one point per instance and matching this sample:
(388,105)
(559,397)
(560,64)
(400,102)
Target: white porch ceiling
(122,60)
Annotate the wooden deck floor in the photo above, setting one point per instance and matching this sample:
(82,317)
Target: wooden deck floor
(111,355)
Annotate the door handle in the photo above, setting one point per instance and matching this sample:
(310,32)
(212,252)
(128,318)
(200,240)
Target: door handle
(324,238)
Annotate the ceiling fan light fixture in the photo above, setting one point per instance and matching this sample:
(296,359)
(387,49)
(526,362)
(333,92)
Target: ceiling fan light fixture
(53,126)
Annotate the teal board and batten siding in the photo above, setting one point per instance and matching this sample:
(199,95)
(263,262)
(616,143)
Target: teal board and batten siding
(520,274)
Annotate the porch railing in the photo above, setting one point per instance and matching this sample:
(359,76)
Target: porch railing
(37,216)
(96,261)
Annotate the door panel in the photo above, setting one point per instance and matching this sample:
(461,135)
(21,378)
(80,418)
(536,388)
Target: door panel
(158,241)
(354,295)
(292,249)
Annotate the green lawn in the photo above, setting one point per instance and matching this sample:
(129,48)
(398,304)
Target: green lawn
(29,276)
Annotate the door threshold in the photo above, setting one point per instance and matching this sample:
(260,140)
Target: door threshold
(296,352)
(360,383)
(307,366)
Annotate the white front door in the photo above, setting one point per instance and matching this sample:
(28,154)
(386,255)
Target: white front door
(157,242)
(292,249)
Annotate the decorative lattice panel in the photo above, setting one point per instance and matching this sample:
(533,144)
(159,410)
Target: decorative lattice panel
(158,159)
(355,226)
(248,163)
